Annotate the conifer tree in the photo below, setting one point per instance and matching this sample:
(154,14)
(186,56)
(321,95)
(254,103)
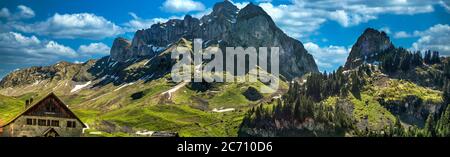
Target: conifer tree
(443,125)
(427,57)
(446,91)
(435,59)
(430,126)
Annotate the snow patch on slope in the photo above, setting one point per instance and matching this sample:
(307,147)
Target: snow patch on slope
(123,86)
(223,110)
(79,87)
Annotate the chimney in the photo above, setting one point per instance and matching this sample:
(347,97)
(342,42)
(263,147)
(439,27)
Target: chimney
(27,103)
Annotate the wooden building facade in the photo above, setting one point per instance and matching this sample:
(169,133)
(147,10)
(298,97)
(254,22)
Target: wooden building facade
(49,117)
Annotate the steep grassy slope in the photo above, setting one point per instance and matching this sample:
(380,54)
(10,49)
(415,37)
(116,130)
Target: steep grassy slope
(10,107)
(188,112)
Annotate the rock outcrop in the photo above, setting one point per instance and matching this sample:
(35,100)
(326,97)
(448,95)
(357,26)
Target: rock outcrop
(254,27)
(413,110)
(120,50)
(368,45)
(219,24)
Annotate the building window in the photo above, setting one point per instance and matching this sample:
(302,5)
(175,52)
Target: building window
(29,121)
(48,122)
(51,108)
(71,124)
(55,123)
(42,122)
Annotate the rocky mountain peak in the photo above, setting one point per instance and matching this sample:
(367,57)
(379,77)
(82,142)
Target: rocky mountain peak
(251,10)
(255,13)
(250,26)
(225,8)
(369,44)
(254,27)
(120,50)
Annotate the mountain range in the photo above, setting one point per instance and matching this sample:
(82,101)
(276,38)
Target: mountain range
(131,89)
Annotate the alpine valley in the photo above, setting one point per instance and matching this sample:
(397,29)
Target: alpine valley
(382,90)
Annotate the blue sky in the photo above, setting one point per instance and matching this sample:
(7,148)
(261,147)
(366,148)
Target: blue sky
(47,31)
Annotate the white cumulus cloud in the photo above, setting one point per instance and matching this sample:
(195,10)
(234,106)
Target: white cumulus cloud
(138,23)
(182,6)
(435,38)
(18,51)
(16,48)
(295,22)
(302,18)
(23,12)
(94,48)
(328,58)
(402,34)
(70,26)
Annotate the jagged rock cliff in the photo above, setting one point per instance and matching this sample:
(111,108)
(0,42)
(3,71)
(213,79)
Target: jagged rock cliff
(121,51)
(254,27)
(251,26)
(369,44)
(219,24)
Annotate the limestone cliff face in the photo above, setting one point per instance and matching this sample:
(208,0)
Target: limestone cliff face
(412,110)
(220,23)
(121,51)
(369,44)
(152,41)
(254,27)
(251,26)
